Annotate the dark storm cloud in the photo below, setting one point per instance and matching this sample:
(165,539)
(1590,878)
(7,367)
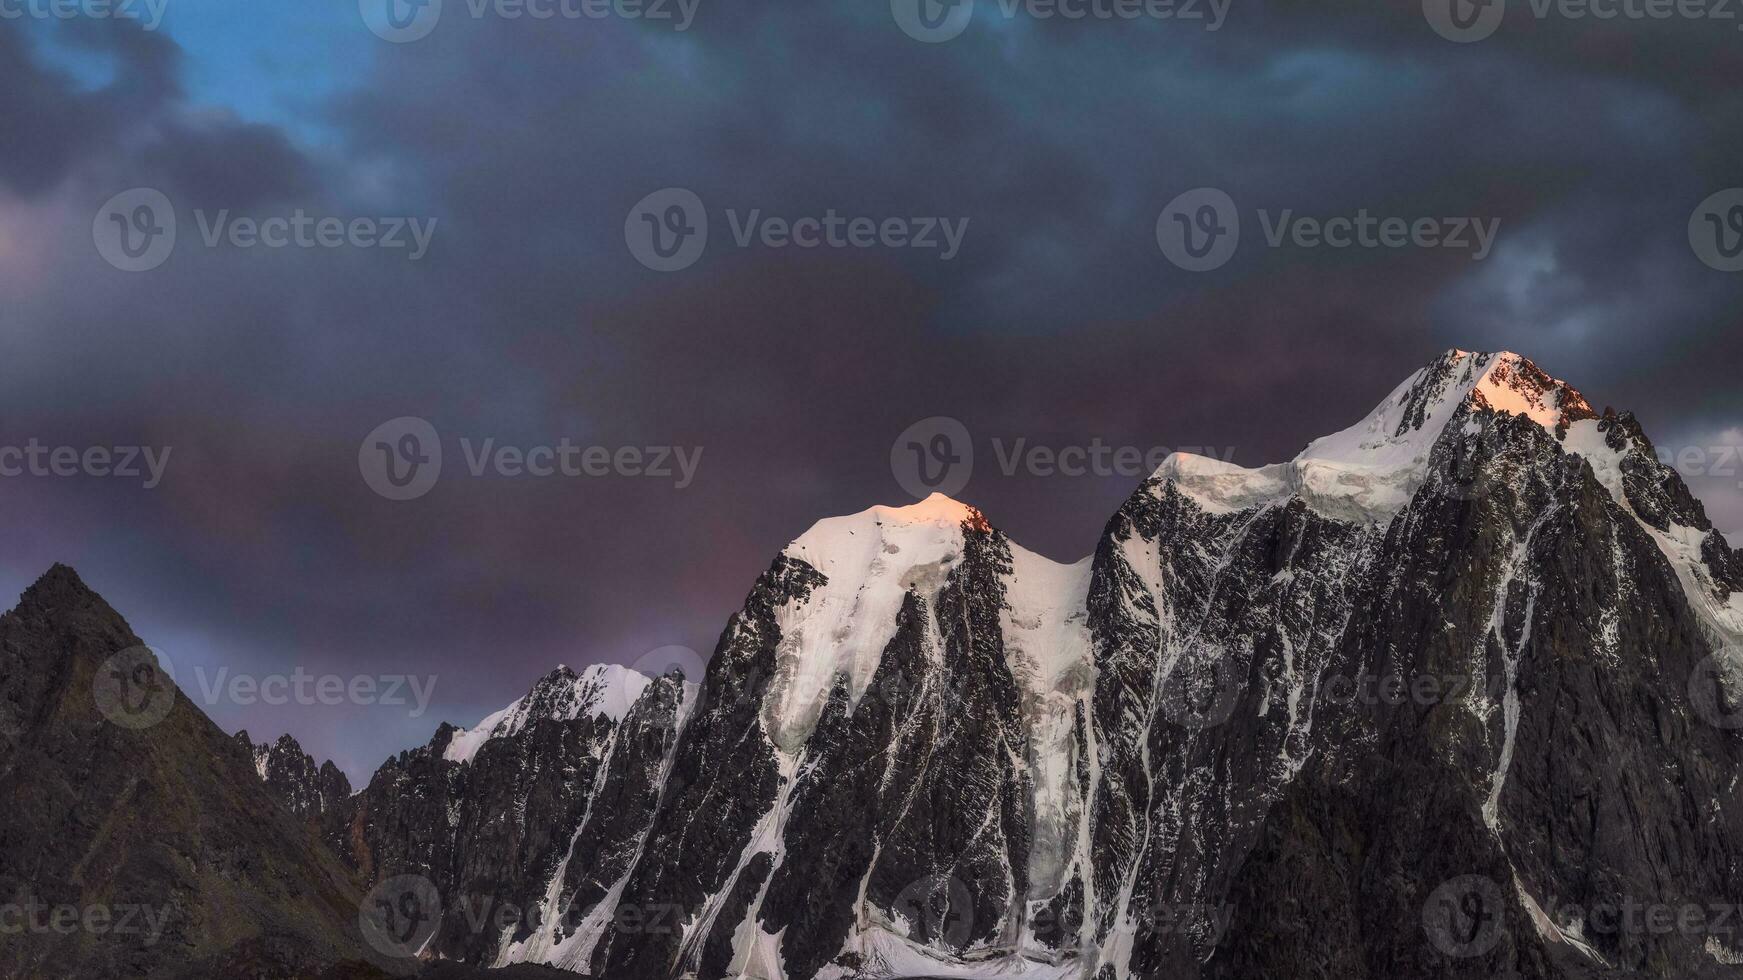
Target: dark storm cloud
(529,321)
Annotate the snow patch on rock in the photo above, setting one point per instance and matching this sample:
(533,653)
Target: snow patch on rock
(1047,644)
(888,955)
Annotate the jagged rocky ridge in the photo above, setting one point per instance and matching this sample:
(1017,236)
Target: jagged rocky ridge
(520,822)
(922,750)
(304,788)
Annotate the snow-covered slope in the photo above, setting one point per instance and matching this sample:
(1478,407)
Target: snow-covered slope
(870,562)
(602,690)
(1371,470)
(525,811)
(923,748)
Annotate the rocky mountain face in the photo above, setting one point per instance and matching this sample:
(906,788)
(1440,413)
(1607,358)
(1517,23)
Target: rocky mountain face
(138,840)
(522,824)
(1449,694)
(306,789)
(1458,740)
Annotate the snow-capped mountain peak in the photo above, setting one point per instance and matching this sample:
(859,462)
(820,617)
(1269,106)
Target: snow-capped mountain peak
(561,695)
(870,562)
(1408,422)
(938,516)
(927,751)
(1369,471)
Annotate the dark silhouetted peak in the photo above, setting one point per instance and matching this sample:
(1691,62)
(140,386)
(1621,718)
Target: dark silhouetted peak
(59,591)
(121,793)
(58,580)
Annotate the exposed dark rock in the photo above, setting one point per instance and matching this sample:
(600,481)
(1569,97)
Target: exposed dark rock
(159,829)
(305,789)
(1467,730)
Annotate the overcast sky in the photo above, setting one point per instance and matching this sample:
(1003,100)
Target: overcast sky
(527,319)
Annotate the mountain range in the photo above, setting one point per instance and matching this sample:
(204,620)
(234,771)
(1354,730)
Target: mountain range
(1449,694)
